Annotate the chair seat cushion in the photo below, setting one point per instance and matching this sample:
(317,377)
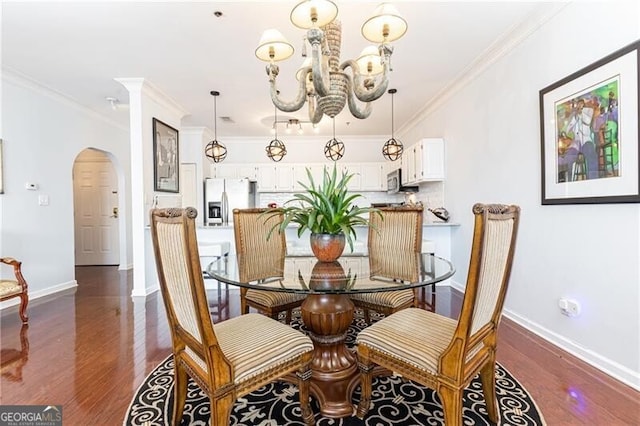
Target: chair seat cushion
(254,344)
(273,298)
(413,336)
(388,299)
(9,287)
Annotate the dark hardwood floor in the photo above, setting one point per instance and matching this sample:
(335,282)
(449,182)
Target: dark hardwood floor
(89,350)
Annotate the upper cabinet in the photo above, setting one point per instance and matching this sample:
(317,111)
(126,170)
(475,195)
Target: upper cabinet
(233,171)
(286,177)
(423,161)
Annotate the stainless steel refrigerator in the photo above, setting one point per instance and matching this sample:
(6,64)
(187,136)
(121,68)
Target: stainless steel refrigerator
(221,196)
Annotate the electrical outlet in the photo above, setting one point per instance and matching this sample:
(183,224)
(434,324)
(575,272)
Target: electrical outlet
(569,307)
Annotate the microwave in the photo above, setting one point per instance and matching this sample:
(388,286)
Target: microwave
(394,183)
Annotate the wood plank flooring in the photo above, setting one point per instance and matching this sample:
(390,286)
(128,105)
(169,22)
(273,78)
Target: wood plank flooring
(89,350)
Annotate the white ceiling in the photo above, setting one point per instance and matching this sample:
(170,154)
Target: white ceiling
(78,48)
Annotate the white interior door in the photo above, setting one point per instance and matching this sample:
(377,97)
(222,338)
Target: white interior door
(96,212)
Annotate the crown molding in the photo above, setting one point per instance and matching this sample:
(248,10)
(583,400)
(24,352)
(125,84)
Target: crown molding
(17,78)
(144,86)
(497,50)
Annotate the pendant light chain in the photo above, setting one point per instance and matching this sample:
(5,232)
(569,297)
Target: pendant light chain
(392,149)
(215,151)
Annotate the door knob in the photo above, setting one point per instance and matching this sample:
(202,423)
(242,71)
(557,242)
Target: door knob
(115,213)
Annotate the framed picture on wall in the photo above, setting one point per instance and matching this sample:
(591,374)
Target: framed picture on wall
(166,173)
(589,131)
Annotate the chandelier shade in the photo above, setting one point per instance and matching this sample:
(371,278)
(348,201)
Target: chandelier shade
(215,151)
(273,46)
(386,25)
(326,83)
(370,61)
(313,13)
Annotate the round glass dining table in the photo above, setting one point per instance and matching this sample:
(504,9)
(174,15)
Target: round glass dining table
(327,311)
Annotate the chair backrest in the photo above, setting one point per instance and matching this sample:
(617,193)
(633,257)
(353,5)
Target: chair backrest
(261,258)
(398,230)
(251,228)
(175,247)
(493,246)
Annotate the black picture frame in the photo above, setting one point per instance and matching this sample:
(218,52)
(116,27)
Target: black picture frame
(166,157)
(589,133)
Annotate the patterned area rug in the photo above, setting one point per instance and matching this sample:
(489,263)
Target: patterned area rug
(396,401)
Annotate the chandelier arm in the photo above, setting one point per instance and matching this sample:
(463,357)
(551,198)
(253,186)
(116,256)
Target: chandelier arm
(289,106)
(315,113)
(321,82)
(359,89)
(355,109)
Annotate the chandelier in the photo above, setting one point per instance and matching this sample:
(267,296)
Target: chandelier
(323,81)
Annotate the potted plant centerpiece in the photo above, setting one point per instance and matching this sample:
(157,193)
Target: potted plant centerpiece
(327,210)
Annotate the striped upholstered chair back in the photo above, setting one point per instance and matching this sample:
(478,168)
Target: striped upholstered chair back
(261,257)
(228,359)
(438,351)
(396,229)
(181,283)
(492,251)
(251,228)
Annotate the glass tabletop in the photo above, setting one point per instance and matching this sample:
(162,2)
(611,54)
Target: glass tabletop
(349,274)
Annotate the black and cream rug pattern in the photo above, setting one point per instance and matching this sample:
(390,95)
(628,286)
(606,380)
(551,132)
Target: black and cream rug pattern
(396,401)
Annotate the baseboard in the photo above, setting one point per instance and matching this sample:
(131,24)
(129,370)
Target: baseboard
(146,292)
(607,366)
(38,294)
(127,267)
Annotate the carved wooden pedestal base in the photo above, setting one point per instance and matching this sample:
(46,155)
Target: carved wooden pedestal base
(334,368)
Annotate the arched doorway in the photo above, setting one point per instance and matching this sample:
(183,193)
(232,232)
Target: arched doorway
(96,209)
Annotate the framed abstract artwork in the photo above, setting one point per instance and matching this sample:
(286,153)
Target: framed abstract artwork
(589,133)
(166,174)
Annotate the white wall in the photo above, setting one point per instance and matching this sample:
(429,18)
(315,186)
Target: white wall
(586,252)
(43,133)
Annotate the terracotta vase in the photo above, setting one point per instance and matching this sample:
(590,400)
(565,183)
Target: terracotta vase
(327,247)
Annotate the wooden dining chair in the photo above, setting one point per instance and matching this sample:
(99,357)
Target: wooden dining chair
(251,227)
(438,351)
(18,287)
(228,359)
(397,229)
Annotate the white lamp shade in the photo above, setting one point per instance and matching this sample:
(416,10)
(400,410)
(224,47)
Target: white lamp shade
(386,25)
(313,13)
(273,46)
(370,58)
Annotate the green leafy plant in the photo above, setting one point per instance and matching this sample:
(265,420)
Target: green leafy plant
(326,208)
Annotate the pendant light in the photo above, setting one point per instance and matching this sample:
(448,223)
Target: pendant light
(334,149)
(215,151)
(392,149)
(276,150)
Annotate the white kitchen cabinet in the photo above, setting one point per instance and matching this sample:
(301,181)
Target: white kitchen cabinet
(275,177)
(423,161)
(233,171)
(372,177)
(266,174)
(429,160)
(355,183)
(300,174)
